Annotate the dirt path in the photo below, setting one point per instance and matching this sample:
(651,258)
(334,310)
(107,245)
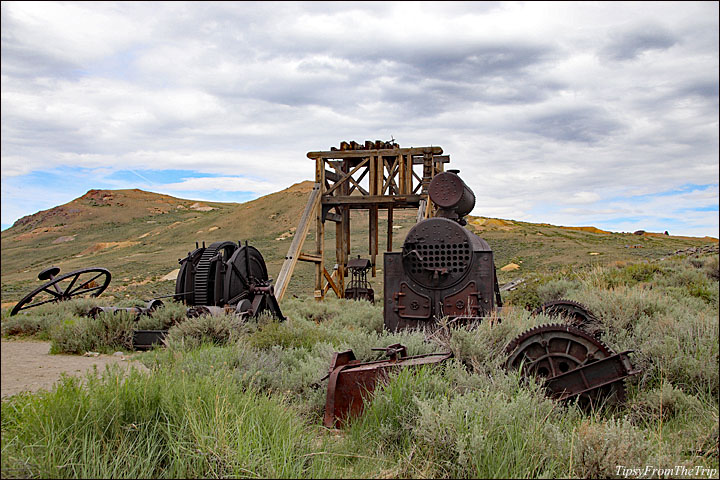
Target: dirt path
(26,365)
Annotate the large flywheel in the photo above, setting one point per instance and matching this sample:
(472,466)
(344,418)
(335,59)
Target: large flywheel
(571,363)
(244,269)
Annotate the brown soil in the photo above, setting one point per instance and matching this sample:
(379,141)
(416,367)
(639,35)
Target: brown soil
(26,365)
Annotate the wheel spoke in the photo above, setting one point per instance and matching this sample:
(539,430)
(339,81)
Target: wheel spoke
(83,286)
(54,294)
(39,303)
(71,284)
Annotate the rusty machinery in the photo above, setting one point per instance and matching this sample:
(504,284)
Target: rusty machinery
(571,363)
(222,278)
(226,274)
(77,283)
(445,271)
(358,288)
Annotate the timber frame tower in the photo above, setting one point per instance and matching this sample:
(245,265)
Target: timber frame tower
(396,178)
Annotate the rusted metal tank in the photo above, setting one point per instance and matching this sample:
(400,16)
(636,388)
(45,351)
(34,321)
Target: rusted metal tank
(451,195)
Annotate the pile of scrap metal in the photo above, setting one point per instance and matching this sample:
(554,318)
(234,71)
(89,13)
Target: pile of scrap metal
(446,272)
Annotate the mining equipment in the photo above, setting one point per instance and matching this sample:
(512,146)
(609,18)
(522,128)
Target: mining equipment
(358,288)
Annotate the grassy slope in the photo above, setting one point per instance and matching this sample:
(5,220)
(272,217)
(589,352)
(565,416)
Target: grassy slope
(144,234)
(251,406)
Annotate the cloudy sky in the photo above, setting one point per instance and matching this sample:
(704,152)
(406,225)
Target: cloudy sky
(602,114)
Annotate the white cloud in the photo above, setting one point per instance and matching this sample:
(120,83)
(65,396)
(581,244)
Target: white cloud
(544,107)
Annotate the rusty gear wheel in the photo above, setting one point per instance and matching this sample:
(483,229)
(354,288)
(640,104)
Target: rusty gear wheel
(572,313)
(204,282)
(549,351)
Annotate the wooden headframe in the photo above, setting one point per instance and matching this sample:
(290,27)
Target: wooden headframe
(392,183)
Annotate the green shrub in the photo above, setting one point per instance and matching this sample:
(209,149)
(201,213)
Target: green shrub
(26,325)
(525,297)
(104,333)
(663,403)
(556,290)
(215,329)
(600,446)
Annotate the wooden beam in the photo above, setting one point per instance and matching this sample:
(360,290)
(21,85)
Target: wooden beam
(333,217)
(332,176)
(383,201)
(436,158)
(391,174)
(331,284)
(373,233)
(309,257)
(340,244)
(419,185)
(346,176)
(356,183)
(421,210)
(301,232)
(319,234)
(365,153)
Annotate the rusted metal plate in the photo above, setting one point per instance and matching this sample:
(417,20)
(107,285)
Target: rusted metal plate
(351,382)
(146,339)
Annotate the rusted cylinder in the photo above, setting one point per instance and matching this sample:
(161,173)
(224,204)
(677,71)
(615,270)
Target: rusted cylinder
(95,311)
(199,310)
(150,307)
(449,192)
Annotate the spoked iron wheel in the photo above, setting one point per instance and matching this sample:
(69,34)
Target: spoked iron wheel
(553,352)
(74,284)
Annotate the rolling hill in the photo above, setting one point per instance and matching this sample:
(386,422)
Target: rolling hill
(140,236)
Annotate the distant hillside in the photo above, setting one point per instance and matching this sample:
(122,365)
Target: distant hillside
(140,236)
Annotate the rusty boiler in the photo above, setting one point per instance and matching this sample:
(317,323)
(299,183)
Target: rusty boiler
(443,270)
